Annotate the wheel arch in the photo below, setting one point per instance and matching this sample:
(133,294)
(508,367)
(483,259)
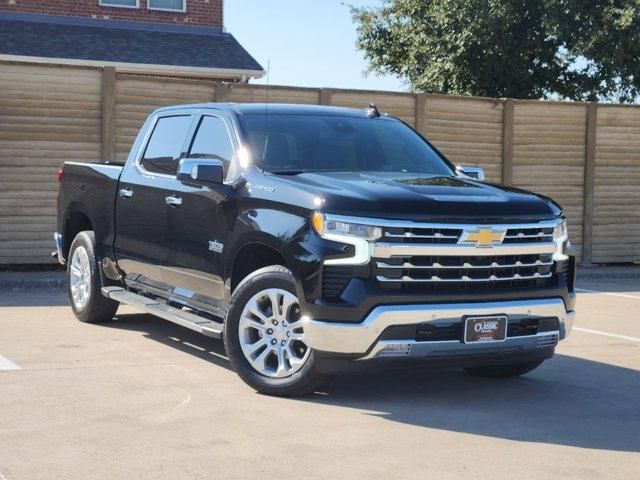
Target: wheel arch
(251,257)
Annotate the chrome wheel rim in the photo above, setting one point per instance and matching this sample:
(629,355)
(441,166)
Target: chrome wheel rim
(80,277)
(271,335)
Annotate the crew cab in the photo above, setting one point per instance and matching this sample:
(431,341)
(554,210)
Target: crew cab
(316,240)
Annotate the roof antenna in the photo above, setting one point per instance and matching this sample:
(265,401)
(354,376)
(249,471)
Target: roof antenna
(372,111)
(266,116)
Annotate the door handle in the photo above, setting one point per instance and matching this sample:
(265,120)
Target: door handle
(126,193)
(173,201)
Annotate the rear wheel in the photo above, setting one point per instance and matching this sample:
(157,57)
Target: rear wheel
(84,284)
(264,338)
(504,371)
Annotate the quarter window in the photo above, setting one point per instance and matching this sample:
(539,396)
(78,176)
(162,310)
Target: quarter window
(174,5)
(212,141)
(120,3)
(164,149)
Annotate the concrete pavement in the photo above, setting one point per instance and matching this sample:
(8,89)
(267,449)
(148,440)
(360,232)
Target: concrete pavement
(143,398)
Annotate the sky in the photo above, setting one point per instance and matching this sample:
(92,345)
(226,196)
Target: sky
(307,43)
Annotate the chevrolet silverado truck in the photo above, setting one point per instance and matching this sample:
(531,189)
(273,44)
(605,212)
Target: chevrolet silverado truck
(316,240)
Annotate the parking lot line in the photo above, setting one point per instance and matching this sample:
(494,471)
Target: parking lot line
(588,290)
(613,335)
(6,364)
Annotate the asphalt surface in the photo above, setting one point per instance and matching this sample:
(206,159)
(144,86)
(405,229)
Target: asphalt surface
(143,398)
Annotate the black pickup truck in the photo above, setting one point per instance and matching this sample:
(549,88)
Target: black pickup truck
(317,240)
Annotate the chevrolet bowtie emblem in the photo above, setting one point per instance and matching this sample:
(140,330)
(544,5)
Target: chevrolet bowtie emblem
(483,237)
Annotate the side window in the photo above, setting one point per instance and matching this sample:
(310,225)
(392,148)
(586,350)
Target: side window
(212,141)
(163,151)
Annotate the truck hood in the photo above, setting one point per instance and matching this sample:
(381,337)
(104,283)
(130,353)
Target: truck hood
(421,197)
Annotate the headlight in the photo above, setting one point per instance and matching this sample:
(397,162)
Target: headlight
(356,234)
(326,225)
(560,236)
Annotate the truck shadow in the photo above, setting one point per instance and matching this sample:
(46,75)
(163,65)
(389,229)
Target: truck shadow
(567,401)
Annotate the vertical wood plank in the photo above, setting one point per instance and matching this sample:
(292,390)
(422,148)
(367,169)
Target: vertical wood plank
(221,93)
(108,148)
(589,183)
(325,96)
(421,113)
(507,142)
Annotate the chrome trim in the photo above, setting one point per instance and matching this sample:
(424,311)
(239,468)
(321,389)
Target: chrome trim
(359,338)
(469,171)
(414,349)
(380,222)
(389,250)
(465,265)
(463,278)
(415,235)
(57,238)
(522,235)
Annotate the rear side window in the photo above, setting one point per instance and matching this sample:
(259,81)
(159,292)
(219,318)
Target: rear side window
(212,141)
(164,149)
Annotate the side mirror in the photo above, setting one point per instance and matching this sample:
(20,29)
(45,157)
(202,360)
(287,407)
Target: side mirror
(470,171)
(200,171)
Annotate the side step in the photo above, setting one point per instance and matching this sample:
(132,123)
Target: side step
(162,310)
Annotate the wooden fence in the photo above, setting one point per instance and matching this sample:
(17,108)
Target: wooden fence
(584,155)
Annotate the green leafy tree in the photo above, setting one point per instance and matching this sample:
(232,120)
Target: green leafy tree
(574,49)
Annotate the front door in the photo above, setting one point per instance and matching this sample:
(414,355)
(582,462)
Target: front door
(198,225)
(142,211)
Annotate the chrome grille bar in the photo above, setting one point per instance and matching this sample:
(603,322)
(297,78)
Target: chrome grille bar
(417,235)
(463,278)
(465,265)
(390,250)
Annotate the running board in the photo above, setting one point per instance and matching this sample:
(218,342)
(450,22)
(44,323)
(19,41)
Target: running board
(162,310)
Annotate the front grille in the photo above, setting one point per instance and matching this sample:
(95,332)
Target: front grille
(422,235)
(415,256)
(444,235)
(464,269)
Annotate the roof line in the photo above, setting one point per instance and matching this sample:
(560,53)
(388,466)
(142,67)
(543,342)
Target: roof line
(141,67)
(110,23)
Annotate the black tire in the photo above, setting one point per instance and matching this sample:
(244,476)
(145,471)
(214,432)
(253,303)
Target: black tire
(504,371)
(98,308)
(302,382)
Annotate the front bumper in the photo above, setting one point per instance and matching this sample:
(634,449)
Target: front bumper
(362,340)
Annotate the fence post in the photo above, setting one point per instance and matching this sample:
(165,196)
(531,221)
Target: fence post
(507,142)
(221,92)
(421,113)
(108,147)
(325,96)
(589,183)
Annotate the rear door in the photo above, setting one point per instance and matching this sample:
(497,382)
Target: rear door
(142,212)
(199,225)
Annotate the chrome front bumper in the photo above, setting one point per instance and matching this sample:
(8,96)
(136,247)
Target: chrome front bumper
(362,339)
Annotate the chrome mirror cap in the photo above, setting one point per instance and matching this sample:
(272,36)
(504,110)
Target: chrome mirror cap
(472,171)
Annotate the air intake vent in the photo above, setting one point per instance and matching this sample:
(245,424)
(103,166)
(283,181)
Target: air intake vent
(334,281)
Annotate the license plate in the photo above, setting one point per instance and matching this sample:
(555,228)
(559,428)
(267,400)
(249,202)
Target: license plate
(485,329)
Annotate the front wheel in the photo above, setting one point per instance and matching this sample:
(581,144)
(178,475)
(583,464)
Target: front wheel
(264,338)
(504,371)
(84,284)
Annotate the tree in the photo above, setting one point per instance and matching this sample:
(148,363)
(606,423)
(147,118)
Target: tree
(574,49)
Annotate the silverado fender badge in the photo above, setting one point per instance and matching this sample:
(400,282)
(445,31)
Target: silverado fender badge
(216,246)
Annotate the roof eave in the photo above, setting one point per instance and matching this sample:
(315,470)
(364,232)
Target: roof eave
(143,68)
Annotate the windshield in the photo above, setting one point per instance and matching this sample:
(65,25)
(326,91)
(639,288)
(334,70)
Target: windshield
(290,144)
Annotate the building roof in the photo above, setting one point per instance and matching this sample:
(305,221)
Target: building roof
(176,48)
